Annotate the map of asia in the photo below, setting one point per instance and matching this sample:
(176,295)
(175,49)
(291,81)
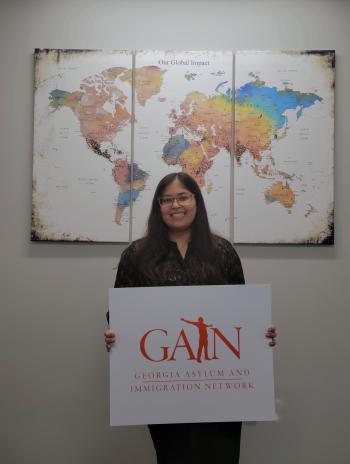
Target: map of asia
(108,125)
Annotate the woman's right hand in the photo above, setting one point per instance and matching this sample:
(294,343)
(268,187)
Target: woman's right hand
(109,339)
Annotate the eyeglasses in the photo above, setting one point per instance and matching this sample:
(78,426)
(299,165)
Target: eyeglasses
(181,199)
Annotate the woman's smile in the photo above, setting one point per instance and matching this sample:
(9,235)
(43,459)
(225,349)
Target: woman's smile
(178,214)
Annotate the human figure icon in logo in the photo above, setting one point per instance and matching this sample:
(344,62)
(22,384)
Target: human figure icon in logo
(203,337)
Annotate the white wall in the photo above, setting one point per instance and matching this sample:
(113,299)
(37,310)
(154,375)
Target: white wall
(54,370)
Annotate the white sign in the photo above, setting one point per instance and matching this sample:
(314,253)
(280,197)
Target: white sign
(191,354)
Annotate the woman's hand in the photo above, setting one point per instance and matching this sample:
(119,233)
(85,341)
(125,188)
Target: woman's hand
(271,334)
(109,339)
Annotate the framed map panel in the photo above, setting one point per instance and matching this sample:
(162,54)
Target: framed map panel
(183,122)
(82,145)
(284,143)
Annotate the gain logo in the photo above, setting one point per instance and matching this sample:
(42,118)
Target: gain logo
(208,337)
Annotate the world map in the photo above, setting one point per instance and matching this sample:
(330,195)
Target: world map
(109,125)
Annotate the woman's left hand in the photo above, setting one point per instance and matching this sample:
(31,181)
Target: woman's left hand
(271,334)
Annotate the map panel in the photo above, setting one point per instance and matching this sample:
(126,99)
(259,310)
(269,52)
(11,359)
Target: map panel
(284,139)
(82,145)
(183,122)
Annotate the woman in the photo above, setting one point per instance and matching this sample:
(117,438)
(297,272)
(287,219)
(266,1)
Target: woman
(179,249)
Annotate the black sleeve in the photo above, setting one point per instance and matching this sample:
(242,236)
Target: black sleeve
(127,272)
(229,260)
(235,275)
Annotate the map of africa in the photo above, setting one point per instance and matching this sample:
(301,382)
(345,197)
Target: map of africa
(109,124)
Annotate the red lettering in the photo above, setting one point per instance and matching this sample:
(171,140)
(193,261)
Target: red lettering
(182,342)
(185,345)
(235,351)
(143,348)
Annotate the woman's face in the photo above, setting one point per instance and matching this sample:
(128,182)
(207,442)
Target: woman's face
(178,214)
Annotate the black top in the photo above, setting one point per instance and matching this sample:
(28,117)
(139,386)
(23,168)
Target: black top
(176,270)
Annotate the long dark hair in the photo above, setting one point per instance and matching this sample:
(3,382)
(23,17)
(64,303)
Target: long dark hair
(154,247)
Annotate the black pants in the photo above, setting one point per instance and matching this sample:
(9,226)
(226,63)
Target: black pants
(202,443)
